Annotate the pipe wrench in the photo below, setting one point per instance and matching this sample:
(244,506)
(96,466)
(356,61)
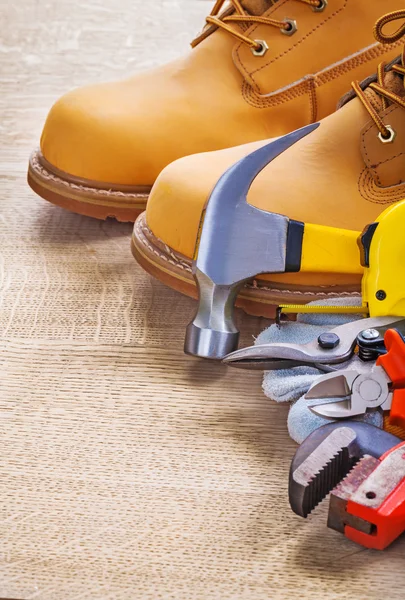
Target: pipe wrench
(364,470)
(381,389)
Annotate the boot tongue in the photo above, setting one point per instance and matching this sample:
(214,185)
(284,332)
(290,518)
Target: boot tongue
(257,7)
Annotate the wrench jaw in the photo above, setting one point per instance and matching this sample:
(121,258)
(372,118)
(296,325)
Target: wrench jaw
(368,507)
(327,457)
(323,460)
(339,517)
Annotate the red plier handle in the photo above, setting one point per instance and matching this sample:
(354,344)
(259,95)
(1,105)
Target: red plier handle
(393,364)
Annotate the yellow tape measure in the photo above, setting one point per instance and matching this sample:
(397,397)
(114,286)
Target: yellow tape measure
(288,309)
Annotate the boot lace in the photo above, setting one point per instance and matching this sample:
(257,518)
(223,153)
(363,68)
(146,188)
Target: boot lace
(241,17)
(386,133)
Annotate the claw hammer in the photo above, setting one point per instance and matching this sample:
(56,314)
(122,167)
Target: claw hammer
(238,241)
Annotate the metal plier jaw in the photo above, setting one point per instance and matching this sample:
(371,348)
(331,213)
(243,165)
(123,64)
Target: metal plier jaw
(364,470)
(383,388)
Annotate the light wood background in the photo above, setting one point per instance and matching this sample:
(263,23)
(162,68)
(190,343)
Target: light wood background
(128,470)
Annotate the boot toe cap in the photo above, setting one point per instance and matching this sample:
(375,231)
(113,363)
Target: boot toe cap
(94,133)
(180,192)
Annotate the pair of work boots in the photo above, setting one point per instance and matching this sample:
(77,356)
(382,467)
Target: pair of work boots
(258,70)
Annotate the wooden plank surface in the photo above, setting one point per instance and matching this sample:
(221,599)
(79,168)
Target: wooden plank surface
(128,470)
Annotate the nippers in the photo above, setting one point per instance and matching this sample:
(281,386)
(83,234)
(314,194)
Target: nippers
(383,388)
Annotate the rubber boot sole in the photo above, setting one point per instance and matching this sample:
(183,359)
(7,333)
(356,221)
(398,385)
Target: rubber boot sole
(85,197)
(259,297)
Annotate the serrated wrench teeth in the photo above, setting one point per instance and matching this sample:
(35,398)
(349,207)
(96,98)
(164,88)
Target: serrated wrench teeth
(327,456)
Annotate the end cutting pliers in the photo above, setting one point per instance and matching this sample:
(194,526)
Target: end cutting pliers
(383,388)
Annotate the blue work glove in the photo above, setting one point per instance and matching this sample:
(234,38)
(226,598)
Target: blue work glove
(290,385)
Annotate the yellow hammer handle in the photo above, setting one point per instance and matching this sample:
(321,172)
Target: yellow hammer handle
(330,250)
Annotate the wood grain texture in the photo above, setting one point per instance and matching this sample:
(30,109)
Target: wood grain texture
(128,470)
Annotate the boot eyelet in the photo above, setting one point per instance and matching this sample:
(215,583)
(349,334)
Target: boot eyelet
(321,6)
(291,27)
(262,50)
(390,138)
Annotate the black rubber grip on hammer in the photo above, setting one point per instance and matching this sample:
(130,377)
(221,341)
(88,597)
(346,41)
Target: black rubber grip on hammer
(295,237)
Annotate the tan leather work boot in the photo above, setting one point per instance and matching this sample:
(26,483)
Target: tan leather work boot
(343,174)
(261,68)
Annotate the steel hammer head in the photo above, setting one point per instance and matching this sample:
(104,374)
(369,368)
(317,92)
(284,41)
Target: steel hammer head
(236,242)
